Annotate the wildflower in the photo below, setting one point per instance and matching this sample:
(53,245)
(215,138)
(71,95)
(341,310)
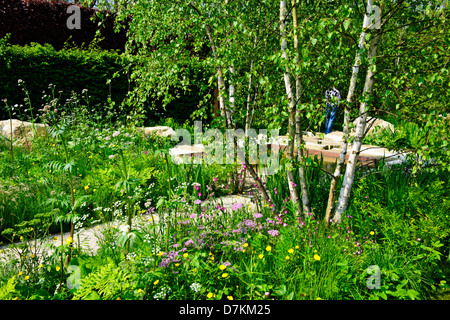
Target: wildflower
(317,257)
(268,248)
(273,233)
(291,251)
(177,264)
(209,295)
(372,233)
(257,215)
(197,201)
(237,206)
(27,277)
(224,275)
(41,265)
(116,133)
(245,245)
(55,238)
(230,297)
(296,247)
(20,273)
(69,240)
(156,282)
(185,255)
(287,258)
(222,267)
(86,188)
(58,268)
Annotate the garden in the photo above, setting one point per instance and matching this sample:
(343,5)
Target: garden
(78,157)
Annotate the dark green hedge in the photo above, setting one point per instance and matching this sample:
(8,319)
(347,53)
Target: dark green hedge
(74,70)
(70,70)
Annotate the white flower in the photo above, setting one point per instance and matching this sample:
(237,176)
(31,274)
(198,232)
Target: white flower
(196,287)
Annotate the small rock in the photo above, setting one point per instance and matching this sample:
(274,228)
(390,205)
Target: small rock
(161,131)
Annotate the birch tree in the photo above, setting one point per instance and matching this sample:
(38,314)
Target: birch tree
(350,171)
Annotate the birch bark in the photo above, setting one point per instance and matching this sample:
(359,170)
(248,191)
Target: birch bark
(350,171)
(341,160)
(298,120)
(291,130)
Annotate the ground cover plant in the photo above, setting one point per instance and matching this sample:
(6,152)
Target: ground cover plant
(166,230)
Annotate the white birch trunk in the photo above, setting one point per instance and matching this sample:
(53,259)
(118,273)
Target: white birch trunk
(232,91)
(350,171)
(220,80)
(291,100)
(341,160)
(249,112)
(298,120)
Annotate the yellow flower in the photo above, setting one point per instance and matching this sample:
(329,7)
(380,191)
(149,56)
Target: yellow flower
(139,291)
(20,273)
(230,297)
(212,258)
(86,187)
(224,275)
(69,240)
(55,238)
(317,257)
(261,256)
(209,295)
(245,245)
(287,258)
(21,238)
(177,264)
(41,265)
(185,255)
(315,250)
(27,277)
(95,190)
(58,268)
(161,253)
(291,250)
(268,248)
(222,267)
(156,282)
(372,233)
(296,247)
(318,298)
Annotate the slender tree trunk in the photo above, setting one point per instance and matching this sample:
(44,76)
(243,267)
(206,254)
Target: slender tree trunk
(291,100)
(341,160)
(350,171)
(220,79)
(248,123)
(232,92)
(298,120)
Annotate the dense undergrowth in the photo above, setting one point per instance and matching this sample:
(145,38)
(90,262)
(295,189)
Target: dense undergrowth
(168,236)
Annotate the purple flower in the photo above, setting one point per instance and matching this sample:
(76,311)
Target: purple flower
(249,223)
(273,233)
(197,201)
(237,206)
(257,215)
(116,133)
(193,216)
